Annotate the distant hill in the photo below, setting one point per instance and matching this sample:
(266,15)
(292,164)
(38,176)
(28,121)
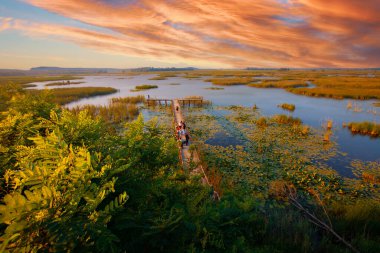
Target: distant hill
(151,69)
(45,70)
(13,72)
(58,70)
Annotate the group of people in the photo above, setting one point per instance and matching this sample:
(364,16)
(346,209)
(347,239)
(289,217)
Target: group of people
(183,134)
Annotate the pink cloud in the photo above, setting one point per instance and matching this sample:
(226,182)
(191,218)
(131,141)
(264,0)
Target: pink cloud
(268,33)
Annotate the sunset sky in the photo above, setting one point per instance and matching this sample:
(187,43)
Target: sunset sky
(199,33)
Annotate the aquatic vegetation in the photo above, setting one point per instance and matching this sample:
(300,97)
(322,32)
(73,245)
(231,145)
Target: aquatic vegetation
(214,88)
(262,122)
(128,100)
(174,84)
(164,75)
(118,110)
(287,120)
(229,81)
(75,183)
(355,87)
(158,78)
(289,107)
(64,82)
(376,104)
(66,95)
(145,87)
(279,84)
(329,124)
(23,80)
(338,93)
(278,157)
(365,128)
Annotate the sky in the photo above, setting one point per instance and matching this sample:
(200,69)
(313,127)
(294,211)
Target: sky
(182,33)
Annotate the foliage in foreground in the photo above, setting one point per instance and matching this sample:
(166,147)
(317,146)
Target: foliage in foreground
(71,183)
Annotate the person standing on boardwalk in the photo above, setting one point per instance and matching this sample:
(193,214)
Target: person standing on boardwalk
(178,132)
(182,137)
(187,136)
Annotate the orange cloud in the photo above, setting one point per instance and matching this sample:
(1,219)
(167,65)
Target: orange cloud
(267,33)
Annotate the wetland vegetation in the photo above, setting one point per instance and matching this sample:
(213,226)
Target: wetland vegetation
(366,128)
(24,80)
(100,178)
(146,87)
(289,107)
(62,83)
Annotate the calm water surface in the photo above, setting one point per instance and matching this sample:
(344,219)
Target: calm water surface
(313,111)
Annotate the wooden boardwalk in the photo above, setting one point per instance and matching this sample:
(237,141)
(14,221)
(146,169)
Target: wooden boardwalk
(182,101)
(190,159)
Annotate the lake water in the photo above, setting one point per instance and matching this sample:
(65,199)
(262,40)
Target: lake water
(313,111)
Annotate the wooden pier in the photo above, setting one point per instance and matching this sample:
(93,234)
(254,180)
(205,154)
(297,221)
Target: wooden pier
(190,157)
(181,101)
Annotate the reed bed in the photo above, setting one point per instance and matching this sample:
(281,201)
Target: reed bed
(365,128)
(63,83)
(214,88)
(289,107)
(338,93)
(118,110)
(128,100)
(31,79)
(158,78)
(279,84)
(145,87)
(230,81)
(164,76)
(66,95)
(287,120)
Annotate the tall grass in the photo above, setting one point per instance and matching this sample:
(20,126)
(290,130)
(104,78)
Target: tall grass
(339,93)
(66,95)
(289,107)
(279,84)
(63,83)
(287,120)
(365,128)
(31,79)
(145,87)
(118,110)
(164,76)
(230,81)
(128,100)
